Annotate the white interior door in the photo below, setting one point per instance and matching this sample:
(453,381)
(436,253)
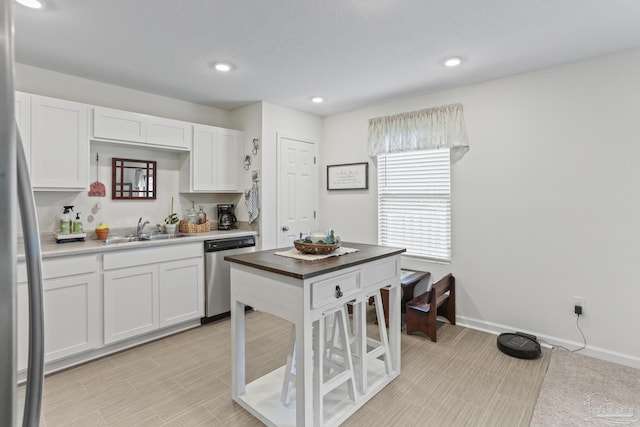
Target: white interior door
(297,191)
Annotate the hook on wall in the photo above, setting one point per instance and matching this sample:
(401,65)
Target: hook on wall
(247,162)
(256,146)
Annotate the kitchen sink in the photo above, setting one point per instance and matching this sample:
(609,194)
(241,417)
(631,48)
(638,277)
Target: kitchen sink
(162,236)
(142,238)
(122,239)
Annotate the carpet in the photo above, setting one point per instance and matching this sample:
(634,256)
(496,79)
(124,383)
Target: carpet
(582,391)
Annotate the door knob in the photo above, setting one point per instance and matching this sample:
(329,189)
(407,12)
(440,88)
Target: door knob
(285,228)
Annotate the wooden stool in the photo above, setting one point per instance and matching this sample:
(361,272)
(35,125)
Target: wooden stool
(329,372)
(369,348)
(334,359)
(408,284)
(423,310)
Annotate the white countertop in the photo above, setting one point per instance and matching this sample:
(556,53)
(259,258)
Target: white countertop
(51,249)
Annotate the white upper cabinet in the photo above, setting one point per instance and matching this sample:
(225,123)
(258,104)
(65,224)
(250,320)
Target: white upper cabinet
(23,119)
(214,163)
(59,144)
(127,127)
(119,125)
(173,133)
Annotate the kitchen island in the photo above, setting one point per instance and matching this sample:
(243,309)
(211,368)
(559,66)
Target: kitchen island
(313,296)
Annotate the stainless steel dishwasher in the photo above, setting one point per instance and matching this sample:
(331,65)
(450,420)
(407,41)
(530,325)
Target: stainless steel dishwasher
(217,275)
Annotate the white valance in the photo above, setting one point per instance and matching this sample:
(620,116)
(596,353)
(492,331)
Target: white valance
(429,129)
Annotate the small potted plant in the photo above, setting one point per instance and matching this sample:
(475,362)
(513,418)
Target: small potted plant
(171,222)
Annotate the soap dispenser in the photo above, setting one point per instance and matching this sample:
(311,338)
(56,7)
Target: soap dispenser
(77,225)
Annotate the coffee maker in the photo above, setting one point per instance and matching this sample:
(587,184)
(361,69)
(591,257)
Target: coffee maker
(226,218)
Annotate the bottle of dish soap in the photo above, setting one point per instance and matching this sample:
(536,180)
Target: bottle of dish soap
(192,216)
(65,220)
(202,217)
(77,225)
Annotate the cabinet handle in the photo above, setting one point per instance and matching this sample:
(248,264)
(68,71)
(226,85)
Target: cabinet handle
(285,228)
(338,291)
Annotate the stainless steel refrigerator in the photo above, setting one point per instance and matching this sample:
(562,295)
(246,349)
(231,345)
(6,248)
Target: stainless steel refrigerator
(15,191)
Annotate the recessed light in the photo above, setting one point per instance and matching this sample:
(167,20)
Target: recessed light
(223,66)
(317,99)
(33,4)
(454,61)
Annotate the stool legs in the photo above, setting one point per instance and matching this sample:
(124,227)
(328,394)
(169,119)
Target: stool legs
(370,348)
(329,372)
(290,369)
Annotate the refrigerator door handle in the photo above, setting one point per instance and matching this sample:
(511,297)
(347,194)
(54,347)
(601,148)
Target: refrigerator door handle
(33,255)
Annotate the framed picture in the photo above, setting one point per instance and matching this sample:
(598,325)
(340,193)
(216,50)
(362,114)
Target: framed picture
(350,176)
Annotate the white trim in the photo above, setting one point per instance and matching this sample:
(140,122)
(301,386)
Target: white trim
(590,350)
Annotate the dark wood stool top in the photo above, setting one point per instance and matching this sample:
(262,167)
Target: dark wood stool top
(408,284)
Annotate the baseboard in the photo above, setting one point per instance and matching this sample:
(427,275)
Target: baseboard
(590,350)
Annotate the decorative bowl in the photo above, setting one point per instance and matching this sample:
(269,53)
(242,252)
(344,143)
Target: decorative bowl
(315,248)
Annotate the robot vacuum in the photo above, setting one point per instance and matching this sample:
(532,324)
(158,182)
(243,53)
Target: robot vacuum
(520,345)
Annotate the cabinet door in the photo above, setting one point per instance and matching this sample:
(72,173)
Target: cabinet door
(214,159)
(169,133)
(59,144)
(23,119)
(203,174)
(71,315)
(119,125)
(130,302)
(226,160)
(181,291)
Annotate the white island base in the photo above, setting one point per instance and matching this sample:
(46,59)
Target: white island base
(262,399)
(305,293)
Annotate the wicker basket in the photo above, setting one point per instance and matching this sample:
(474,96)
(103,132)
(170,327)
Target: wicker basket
(187,227)
(313,248)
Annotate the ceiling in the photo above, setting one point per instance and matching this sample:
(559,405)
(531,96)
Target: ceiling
(352,52)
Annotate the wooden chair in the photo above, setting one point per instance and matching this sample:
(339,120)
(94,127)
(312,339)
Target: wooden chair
(408,284)
(423,310)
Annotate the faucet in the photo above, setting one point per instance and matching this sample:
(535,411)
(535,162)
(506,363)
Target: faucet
(140,227)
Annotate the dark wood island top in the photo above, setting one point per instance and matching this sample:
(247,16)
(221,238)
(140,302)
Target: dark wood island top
(303,269)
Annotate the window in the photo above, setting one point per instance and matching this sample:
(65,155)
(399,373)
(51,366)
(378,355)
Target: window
(414,202)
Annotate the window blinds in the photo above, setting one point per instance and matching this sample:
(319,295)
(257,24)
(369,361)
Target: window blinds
(414,202)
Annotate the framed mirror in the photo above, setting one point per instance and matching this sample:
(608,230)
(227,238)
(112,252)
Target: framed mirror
(133,179)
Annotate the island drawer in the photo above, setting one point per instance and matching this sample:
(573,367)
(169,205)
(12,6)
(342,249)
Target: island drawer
(381,274)
(338,288)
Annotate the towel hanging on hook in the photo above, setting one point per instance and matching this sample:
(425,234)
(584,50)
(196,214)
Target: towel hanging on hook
(252,202)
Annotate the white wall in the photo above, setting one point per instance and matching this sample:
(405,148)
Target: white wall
(249,119)
(545,204)
(120,213)
(277,120)
(64,86)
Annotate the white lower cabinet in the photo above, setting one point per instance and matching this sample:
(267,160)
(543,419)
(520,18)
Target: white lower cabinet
(181,291)
(143,290)
(130,302)
(72,315)
(147,289)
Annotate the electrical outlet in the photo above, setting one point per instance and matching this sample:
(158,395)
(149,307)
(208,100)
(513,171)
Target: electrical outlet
(578,302)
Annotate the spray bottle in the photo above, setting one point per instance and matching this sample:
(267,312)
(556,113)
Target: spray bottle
(65,220)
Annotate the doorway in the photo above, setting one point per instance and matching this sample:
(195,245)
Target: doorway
(297,189)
